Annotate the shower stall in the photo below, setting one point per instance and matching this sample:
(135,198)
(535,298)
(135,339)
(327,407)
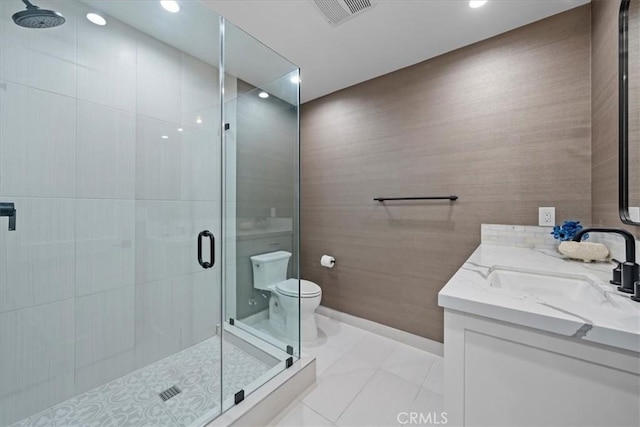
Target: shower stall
(148,149)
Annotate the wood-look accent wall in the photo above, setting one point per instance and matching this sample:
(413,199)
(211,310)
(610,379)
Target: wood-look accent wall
(504,124)
(604,162)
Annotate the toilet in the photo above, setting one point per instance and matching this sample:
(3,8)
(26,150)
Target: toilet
(270,274)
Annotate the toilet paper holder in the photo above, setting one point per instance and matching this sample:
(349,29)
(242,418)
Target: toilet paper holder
(327,261)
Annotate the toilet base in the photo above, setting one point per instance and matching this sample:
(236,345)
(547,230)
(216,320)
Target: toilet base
(293,316)
(286,323)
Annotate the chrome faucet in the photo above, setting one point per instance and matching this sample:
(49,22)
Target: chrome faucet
(629,271)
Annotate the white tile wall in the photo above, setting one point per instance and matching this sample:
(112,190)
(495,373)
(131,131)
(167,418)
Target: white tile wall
(104,370)
(166,235)
(38,150)
(205,305)
(37,363)
(158,83)
(200,95)
(37,261)
(158,160)
(158,320)
(175,162)
(104,325)
(41,59)
(105,245)
(173,314)
(101,274)
(107,63)
(200,168)
(106,152)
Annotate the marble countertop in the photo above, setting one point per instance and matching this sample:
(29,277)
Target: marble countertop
(615,323)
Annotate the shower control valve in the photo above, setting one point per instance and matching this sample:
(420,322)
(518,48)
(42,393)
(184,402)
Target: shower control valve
(9,210)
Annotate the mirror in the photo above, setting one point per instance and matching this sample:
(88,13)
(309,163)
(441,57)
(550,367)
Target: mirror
(629,118)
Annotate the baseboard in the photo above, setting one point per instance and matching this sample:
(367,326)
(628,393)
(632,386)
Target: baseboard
(416,341)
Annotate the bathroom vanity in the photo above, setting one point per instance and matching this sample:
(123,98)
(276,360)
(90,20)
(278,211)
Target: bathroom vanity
(534,339)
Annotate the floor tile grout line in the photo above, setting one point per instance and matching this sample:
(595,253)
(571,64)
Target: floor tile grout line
(426,378)
(405,379)
(342,353)
(317,413)
(288,410)
(410,403)
(356,396)
(376,368)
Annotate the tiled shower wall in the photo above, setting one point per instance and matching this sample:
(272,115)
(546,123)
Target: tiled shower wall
(100,277)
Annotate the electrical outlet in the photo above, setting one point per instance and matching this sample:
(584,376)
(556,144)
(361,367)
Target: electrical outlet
(546,217)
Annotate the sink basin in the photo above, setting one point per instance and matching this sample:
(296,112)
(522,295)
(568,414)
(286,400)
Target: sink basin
(547,287)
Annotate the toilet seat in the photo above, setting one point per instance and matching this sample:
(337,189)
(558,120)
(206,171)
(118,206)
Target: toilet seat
(290,288)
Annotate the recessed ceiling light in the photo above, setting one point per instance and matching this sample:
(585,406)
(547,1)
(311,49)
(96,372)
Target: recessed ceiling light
(170,6)
(474,4)
(165,136)
(96,19)
(199,120)
(295,80)
(263,95)
(180,129)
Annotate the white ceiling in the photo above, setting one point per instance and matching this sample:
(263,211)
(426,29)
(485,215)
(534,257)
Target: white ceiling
(392,35)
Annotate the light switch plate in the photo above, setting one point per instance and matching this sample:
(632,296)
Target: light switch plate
(546,216)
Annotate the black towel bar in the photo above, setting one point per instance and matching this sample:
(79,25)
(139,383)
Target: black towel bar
(382,199)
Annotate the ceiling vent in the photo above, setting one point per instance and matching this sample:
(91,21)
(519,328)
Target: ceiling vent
(338,11)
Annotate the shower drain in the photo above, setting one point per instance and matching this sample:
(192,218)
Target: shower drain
(169,393)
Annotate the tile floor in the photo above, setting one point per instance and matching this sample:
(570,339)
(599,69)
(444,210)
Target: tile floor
(364,380)
(133,400)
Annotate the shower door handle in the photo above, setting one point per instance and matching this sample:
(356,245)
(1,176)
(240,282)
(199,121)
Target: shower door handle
(212,242)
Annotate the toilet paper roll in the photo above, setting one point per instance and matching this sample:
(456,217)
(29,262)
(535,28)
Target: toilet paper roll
(327,261)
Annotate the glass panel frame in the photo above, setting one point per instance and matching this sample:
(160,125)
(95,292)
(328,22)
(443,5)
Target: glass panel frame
(262,201)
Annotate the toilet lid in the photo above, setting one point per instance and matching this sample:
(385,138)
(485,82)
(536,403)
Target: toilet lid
(290,288)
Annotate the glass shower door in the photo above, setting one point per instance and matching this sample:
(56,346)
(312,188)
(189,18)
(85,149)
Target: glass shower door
(260,216)
(110,156)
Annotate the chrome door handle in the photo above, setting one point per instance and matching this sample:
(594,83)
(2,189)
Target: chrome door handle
(8,209)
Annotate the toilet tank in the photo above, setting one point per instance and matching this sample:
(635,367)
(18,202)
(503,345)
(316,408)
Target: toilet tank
(269,268)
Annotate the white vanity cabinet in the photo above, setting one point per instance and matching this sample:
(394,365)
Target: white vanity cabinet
(502,374)
(532,339)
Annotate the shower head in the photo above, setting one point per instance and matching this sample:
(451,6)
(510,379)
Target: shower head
(34,17)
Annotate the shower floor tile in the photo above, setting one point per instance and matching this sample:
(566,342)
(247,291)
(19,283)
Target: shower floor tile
(133,400)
